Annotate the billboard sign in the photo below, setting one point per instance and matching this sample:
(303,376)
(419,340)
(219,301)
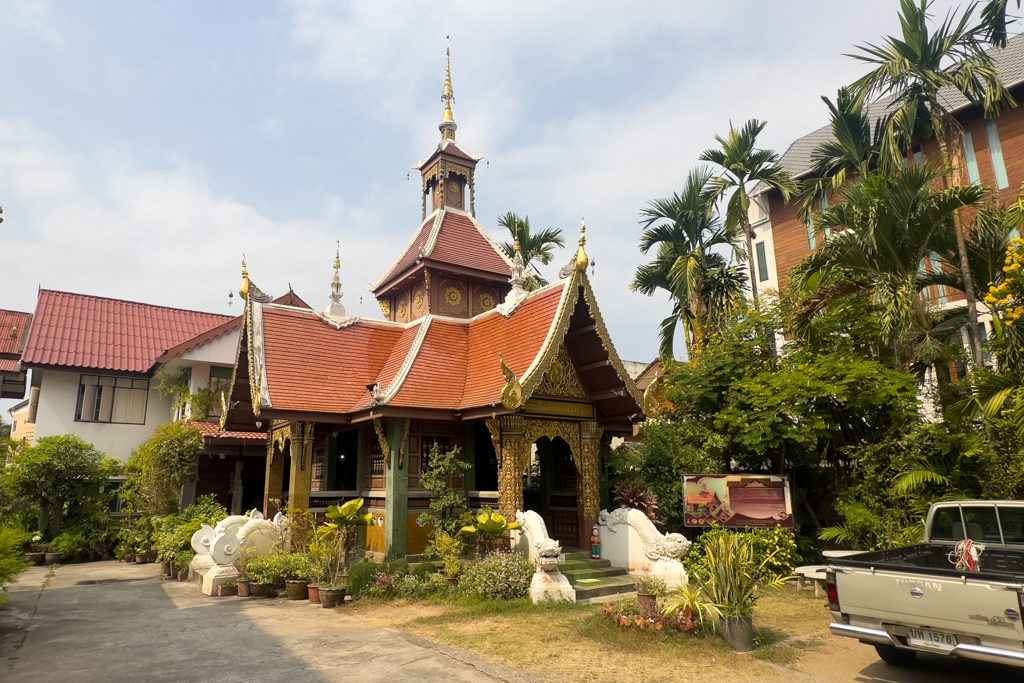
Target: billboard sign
(737,500)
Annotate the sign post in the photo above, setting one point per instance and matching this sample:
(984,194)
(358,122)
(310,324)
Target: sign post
(737,500)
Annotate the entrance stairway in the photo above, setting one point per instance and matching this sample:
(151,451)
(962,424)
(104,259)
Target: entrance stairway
(594,580)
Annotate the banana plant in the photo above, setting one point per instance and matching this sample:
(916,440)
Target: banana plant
(489,528)
(345,520)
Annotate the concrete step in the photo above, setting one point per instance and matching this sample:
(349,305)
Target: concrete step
(612,585)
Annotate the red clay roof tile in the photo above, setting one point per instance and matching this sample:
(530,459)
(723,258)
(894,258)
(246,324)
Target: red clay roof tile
(14,326)
(82,331)
(212,431)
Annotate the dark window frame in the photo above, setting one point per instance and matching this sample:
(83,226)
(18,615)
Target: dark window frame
(81,398)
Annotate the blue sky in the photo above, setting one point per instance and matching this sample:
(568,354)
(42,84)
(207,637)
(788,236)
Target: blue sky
(144,147)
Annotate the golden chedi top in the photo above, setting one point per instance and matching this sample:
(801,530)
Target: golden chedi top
(582,261)
(243,289)
(447,125)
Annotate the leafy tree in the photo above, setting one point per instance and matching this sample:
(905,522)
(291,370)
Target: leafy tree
(12,558)
(60,474)
(882,231)
(5,430)
(448,508)
(743,166)
(160,465)
(704,286)
(536,247)
(912,70)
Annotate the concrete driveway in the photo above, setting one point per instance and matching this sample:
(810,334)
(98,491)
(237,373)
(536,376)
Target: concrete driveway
(114,622)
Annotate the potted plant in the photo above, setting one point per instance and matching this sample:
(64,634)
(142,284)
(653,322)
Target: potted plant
(318,558)
(688,603)
(296,583)
(732,583)
(52,558)
(263,571)
(648,590)
(182,560)
(241,564)
(339,537)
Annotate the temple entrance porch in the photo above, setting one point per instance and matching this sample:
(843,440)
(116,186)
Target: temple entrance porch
(550,489)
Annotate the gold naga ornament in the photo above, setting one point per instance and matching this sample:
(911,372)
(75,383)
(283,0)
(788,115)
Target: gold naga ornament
(512,393)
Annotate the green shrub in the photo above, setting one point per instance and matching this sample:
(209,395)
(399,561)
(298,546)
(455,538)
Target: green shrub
(12,559)
(182,560)
(71,545)
(361,576)
(399,566)
(651,585)
(276,568)
(424,570)
(764,542)
(499,576)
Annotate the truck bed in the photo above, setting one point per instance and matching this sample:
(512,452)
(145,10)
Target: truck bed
(997,563)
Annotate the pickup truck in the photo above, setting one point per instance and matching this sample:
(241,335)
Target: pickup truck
(914,599)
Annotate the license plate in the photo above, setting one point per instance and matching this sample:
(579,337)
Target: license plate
(933,640)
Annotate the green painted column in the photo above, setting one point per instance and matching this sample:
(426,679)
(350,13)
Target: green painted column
(469,439)
(396,507)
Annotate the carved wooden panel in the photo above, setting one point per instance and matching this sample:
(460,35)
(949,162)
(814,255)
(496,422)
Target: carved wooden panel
(452,298)
(403,312)
(482,299)
(418,297)
(454,192)
(374,462)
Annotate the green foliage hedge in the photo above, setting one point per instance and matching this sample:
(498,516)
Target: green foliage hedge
(766,541)
(499,576)
(12,558)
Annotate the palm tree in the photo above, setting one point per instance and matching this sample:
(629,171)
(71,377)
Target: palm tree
(883,228)
(702,283)
(993,21)
(912,70)
(852,151)
(744,166)
(534,247)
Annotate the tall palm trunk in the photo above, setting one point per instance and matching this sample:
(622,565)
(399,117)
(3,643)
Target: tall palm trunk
(944,132)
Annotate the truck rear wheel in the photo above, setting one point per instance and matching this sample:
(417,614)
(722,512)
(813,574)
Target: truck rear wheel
(895,657)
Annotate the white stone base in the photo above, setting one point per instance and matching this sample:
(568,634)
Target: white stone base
(199,566)
(671,572)
(551,586)
(219,575)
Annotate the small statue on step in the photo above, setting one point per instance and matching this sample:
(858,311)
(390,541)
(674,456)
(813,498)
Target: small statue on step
(595,543)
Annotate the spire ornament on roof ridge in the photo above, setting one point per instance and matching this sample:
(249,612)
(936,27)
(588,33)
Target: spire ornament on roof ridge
(243,289)
(582,261)
(447,125)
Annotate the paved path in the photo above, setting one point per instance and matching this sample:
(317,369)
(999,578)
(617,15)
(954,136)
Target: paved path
(113,622)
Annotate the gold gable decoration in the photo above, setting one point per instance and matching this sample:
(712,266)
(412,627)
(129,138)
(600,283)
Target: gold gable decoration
(561,378)
(512,394)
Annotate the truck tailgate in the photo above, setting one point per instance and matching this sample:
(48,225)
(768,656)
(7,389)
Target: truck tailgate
(979,608)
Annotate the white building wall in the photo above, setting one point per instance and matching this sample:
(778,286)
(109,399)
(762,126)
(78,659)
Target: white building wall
(58,399)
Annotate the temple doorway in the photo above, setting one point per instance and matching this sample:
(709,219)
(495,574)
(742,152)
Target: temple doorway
(550,489)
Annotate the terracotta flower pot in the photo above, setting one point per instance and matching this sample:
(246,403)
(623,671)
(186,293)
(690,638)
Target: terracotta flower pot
(262,590)
(244,588)
(314,595)
(183,576)
(648,605)
(35,558)
(332,597)
(296,589)
(141,558)
(128,557)
(738,632)
(165,568)
(451,581)
(52,558)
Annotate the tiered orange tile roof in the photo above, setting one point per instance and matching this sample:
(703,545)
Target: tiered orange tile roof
(460,241)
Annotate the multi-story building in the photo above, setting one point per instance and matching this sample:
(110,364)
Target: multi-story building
(994,151)
(22,428)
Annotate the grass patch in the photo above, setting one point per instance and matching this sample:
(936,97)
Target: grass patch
(569,642)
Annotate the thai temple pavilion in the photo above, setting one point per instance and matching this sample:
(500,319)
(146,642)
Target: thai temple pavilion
(464,356)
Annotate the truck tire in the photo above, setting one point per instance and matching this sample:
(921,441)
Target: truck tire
(895,657)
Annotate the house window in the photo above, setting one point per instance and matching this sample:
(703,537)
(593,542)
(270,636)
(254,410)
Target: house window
(918,157)
(762,262)
(996,151)
(443,443)
(972,161)
(940,290)
(220,373)
(119,400)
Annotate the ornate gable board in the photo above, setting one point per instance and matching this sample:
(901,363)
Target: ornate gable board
(561,378)
(243,344)
(606,342)
(428,247)
(381,395)
(257,358)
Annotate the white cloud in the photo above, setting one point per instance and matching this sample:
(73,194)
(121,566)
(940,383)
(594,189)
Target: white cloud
(98,224)
(32,16)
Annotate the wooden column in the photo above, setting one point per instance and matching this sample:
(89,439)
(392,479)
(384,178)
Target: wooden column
(588,479)
(511,462)
(396,502)
(275,478)
(302,466)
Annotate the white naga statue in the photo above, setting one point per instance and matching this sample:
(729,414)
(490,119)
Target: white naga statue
(217,548)
(629,539)
(548,582)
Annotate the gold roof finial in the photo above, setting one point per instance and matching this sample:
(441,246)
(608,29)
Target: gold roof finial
(447,96)
(582,261)
(243,289)
(337,257)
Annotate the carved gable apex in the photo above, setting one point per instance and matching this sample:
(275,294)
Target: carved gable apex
(561,378)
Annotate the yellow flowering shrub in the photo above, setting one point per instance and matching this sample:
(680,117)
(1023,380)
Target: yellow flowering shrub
(1008,296)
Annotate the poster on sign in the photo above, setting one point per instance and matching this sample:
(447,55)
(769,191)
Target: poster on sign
(737,500)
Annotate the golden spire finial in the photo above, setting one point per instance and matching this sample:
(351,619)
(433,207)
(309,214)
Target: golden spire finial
(447,96)
(582,261)
(337,257)
(243,289)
